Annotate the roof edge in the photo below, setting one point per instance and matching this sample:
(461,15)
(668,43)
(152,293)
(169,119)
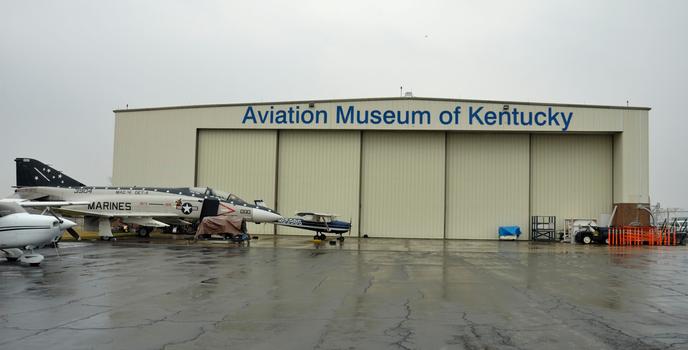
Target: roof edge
(368,99)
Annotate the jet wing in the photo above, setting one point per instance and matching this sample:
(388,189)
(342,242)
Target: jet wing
(144,221)
(173,221)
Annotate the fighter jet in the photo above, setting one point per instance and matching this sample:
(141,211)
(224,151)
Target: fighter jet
(147,207)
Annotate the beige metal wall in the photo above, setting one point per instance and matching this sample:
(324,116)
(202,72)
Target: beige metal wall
(571,176)
(241,162)
(319,171)
(140,157)
(631,160)
(134,147)
(402,189)
(487,184)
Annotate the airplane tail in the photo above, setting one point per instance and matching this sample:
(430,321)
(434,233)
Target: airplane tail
(31,172)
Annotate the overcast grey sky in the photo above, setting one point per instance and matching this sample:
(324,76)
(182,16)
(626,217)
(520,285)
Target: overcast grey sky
(65,65)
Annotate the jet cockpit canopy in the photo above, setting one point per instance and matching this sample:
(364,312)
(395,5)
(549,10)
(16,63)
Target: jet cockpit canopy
(222,195)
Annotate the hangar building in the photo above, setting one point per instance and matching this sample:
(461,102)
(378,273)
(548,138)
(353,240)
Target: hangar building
(399,167)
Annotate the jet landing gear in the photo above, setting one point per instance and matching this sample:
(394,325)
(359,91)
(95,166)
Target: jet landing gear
(144,231)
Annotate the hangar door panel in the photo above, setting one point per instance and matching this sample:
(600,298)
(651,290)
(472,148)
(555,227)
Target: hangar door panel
(571,176)
(319,171)
(487,184)
(241,162)
(402,190)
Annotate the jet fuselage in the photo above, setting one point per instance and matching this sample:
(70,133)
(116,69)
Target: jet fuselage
(159,203)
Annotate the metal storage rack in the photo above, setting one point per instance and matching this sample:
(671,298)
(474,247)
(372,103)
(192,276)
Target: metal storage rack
(542,228)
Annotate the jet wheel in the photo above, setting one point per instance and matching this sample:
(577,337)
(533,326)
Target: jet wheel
(144,231)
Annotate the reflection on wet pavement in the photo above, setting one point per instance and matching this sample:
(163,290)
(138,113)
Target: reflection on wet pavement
(286,293)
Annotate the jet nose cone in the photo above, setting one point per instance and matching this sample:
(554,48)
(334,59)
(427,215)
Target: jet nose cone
(67,224)
(262,215)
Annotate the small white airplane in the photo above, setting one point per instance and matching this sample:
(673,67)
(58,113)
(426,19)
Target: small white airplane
(20,230)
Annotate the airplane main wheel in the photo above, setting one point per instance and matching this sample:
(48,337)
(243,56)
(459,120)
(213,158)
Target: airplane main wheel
(144,231)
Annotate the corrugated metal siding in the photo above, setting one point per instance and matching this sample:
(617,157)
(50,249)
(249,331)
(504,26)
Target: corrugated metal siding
(402,192)
(487,184)
(319,171)
(571,176)
(241,162)
(139,157)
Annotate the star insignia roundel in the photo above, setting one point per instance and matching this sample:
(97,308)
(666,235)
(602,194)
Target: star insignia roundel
(186,208)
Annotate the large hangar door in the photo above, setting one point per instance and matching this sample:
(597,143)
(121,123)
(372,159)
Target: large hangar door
(487,184)
(571,176)
(402,190)
(241,162)
(319,171)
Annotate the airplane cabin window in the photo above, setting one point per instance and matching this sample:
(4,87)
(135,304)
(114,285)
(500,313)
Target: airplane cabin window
(10,208)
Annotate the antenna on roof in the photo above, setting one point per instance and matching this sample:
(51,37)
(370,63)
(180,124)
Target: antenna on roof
(401,91)
(626,103)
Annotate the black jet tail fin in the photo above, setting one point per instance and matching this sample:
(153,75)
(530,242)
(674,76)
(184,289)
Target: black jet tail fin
(31,172)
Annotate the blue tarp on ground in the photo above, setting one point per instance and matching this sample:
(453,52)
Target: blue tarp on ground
(509,231)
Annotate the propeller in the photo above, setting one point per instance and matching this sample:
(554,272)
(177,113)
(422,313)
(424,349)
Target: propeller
(72,232)
(69,230)
(351,224)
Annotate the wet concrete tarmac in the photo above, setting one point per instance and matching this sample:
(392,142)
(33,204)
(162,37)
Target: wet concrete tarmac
(284,293)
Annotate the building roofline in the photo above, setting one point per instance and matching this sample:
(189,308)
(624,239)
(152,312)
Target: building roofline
(377,99)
